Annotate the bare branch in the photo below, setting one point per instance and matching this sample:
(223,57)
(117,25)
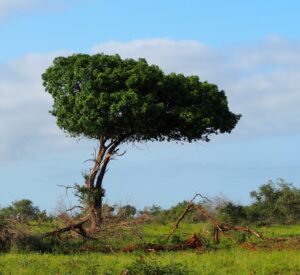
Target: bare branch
(76,206)
(133,144)
(200,195)
(189,206)
(67,187)
(73,226)
(218,227)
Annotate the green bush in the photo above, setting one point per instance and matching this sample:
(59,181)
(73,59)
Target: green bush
(273,203)
(151,267)
(233,214)
(21,210)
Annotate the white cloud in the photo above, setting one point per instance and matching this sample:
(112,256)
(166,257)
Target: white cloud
(263,89)
(24,119)
(10,6)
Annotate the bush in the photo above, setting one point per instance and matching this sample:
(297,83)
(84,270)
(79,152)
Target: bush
(275,203)
(233,214)
(152,267)
(21,210)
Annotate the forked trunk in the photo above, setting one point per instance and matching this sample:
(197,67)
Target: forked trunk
(95,179)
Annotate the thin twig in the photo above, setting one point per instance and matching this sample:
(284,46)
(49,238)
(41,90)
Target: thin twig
(76,206)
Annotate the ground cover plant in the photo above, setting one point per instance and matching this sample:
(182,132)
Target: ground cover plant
(235,261)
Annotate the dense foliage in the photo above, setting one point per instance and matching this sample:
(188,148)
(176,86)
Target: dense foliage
(273,203)
(103,95)
(21,210)
(277,202)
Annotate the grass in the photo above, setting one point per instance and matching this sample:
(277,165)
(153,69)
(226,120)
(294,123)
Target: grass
(235,261)
(280,230)
(61,264)
(226,258)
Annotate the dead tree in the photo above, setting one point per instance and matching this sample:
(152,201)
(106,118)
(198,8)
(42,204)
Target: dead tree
(218,227)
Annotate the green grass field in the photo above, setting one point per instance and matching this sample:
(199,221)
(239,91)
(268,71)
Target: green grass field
(229,257)
(235,261)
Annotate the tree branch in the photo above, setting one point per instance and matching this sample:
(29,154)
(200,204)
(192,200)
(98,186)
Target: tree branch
(91,179)
(76,206)
(106,160)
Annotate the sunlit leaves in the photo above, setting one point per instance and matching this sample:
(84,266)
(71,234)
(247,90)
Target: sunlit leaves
(104,95)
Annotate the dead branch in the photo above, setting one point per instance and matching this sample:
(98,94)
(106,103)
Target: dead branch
(189,206)
(76,206)
(199,195)
(206,215)
(78,227)
(93,160)
(67,187)
(218,227)
(241,229)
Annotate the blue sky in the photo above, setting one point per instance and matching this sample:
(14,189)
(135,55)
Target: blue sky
(251,49)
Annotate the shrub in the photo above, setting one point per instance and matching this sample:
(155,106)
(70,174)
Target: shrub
(21,210)
(152,267)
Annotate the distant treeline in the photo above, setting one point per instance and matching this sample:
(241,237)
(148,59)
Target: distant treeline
(273,203)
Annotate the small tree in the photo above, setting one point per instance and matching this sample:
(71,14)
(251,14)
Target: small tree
(127,211)
(275,202)
(21,209)
(115,101)
(233,213)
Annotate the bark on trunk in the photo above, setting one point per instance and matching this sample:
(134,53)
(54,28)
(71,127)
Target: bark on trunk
(95,179)
(96,214)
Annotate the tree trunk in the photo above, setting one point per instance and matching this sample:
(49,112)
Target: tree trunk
(95,179)
(96,214)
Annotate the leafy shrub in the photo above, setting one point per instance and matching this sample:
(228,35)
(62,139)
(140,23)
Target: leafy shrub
(21,210)
(274,202)
(175,239)
(232,213)
(152,267)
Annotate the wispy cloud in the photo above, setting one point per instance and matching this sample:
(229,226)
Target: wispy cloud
(11,7)
(24,119)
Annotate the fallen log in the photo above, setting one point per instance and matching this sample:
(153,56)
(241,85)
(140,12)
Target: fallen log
(188,207)
(192,243)
(78,227)
(218,227)
(245,229)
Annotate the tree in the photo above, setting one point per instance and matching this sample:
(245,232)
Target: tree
(21,209)
(275,202)
(114,101)
(127,211)
(233,214)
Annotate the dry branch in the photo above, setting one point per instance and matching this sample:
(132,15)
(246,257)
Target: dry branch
(218,227)
(189,206)
(78,227)
(76,206)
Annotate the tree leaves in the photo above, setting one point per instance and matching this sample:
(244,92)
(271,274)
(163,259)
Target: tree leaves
(104,95)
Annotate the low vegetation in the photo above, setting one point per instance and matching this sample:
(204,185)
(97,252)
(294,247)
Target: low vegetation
(137,242)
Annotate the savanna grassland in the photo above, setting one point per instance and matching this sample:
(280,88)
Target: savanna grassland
(233,255)
(206,237)
(236,261)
